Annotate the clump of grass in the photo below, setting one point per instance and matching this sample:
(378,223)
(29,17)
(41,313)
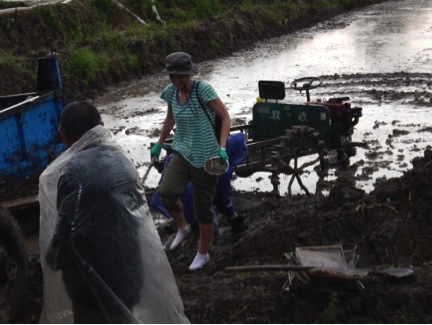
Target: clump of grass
(329,316)
(23,78)
(9,57)
(87,65)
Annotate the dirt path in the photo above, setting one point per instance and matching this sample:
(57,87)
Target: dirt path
(387,228)
(390,227)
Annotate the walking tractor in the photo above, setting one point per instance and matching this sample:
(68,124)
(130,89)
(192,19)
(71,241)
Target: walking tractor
(282,135)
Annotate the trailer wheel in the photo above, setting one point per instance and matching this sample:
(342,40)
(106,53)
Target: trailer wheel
(13,268)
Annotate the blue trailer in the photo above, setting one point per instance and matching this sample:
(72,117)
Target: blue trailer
(28,124)
(29,141)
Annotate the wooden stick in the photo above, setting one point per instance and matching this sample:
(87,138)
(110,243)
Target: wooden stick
(274,267)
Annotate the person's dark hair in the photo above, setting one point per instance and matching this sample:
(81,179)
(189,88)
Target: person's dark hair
(79,117)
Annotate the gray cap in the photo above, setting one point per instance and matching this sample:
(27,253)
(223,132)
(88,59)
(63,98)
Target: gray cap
(179,63)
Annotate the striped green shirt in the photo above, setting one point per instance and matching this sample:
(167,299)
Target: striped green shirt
(194,138)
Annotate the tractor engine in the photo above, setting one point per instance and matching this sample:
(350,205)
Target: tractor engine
(344,117)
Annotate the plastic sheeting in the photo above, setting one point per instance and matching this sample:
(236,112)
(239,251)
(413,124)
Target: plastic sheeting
(101,255)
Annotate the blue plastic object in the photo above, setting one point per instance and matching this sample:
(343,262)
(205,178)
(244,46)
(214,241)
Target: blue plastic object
(237,152)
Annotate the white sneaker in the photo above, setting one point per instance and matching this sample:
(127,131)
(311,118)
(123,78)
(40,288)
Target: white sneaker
(180,236)
(199,261)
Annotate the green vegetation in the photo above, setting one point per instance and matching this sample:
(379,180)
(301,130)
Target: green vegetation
(329,316)
(87,64)
(8,60)
(100,42)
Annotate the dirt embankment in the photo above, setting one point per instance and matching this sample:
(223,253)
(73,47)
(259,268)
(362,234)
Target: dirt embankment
(27,35)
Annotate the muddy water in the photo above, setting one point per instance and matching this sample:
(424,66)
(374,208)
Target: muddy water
(380,57)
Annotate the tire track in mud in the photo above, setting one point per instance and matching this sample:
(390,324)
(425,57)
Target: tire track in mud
(401,87)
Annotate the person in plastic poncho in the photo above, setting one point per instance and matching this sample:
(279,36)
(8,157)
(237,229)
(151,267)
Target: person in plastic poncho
(102,258)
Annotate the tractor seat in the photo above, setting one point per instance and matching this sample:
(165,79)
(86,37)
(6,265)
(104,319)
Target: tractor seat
(338,100)
(271,89)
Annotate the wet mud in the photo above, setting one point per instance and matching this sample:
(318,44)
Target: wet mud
(389,226)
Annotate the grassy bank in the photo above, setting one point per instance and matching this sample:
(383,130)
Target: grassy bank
(102,42)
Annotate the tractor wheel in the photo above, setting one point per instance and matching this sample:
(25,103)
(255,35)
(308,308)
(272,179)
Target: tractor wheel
(13,268)
(351,151)
(298,142)
(343,159)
